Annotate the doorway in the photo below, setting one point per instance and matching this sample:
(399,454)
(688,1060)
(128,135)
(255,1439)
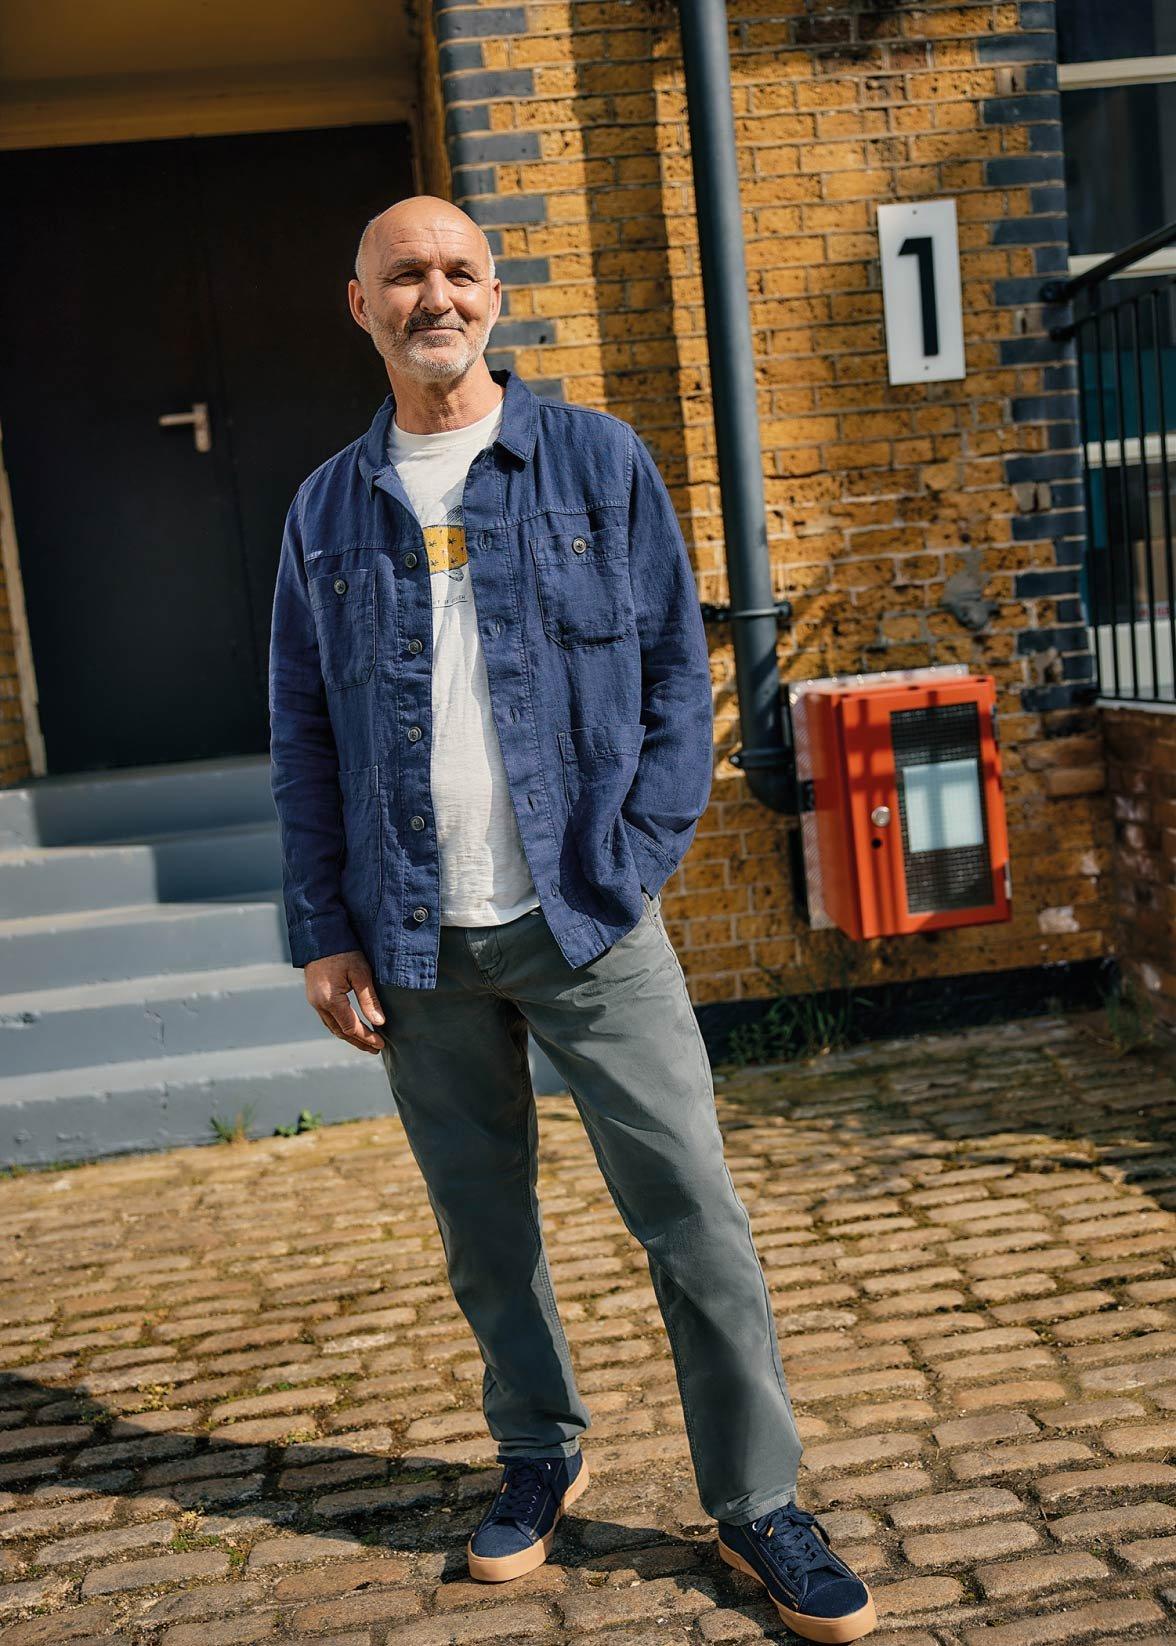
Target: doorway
(178,355)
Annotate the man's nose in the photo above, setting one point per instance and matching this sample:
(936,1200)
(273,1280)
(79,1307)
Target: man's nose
(434,296)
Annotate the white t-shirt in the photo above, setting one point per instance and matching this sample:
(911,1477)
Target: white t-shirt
(485,880)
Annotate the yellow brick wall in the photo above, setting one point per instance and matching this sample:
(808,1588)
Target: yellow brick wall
(876,495)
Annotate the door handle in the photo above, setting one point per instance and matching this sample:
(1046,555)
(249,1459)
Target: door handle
(198,419)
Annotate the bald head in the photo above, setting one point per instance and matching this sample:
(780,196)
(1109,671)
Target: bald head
(421,215)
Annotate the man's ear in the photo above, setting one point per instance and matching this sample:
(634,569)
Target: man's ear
(355,303)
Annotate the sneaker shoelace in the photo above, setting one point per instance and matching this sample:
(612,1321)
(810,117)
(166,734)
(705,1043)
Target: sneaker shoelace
(790,1541)
(521,1493)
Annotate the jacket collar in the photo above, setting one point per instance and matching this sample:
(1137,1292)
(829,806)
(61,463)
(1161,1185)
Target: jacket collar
(520,423)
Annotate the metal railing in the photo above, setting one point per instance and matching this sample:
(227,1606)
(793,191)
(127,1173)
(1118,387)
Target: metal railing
(1126,355)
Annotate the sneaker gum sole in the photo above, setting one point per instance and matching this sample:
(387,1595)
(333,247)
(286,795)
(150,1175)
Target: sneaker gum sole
(831,1631)
(498,1569)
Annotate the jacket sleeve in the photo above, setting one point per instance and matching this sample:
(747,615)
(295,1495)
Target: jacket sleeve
(673,781)
(304,766)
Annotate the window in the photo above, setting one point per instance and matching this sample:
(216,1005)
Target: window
(1117,74)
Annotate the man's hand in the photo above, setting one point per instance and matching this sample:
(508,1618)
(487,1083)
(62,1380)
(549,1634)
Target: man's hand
(327,983)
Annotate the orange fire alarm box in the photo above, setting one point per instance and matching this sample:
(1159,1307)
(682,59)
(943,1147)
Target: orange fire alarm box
(902,810)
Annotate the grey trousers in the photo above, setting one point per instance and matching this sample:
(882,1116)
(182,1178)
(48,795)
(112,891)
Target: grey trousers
(622,1034)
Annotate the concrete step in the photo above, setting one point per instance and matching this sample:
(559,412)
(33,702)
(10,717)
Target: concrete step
(88,807)
(172,1015)
(234,859)
(158,1103)
(52,951)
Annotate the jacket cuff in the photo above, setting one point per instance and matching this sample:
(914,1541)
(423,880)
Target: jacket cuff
(320,936)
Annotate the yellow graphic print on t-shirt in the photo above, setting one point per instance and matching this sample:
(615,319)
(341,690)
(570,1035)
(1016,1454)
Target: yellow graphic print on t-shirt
(446,546)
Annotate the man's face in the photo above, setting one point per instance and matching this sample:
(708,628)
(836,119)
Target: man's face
(427,299)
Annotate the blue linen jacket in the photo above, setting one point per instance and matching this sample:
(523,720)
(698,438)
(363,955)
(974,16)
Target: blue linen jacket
(599,676)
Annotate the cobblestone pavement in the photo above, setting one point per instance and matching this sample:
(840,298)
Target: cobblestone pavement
(239,1404)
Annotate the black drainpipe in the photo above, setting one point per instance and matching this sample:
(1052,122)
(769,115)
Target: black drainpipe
(766,755)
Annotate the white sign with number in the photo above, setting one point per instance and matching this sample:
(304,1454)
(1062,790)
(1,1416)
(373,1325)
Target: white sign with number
(921,296)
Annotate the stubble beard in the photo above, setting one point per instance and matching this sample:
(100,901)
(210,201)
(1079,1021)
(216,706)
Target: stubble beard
(407,353)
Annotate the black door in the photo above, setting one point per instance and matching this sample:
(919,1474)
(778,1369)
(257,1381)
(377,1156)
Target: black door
(143,281)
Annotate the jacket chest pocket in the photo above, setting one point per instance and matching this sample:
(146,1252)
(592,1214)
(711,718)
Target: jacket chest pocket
(344,606)
(582,579)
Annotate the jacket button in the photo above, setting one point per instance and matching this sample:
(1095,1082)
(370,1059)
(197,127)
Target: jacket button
(420,914)
(414,732)
(340,585)
(579,544)
(410,559)
(417,822)
(415,646)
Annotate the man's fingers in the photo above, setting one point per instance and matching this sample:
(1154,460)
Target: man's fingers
(369,1002)
(328,985)
(351,1028)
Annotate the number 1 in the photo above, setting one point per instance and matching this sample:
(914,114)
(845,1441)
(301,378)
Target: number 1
(922,247)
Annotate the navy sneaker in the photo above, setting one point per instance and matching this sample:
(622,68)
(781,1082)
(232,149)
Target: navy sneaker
(816,1593)
(518,1528)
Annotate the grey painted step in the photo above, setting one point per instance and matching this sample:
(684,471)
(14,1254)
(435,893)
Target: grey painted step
(99,945)
(149,1017)
(78,1114)
(225,862)
(86,807)
(170,1016)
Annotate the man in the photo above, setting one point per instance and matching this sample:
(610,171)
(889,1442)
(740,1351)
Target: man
(492,734)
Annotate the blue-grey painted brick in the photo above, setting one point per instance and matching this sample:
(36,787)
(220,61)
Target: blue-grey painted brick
(1014,111)
(1042,76)
(467,117)
(1031,528)
(473,180)
(1050,259)
(1038,14)
(1070,611)
(1049,197)
(469,88)
(1044,408)
(1066,637)
(504,145)
(1062,376)
(1045,136)
(458,55)
(1078,665)
(1065,434)
(1012,169)
(1016,48)
(1067,494)
(1019,292)
(547,388)
(522,333)
(525,271)
(1042,585)
(1038,467)
(1068,549)
(508,208)
(1026,351)
(1044,699)
(453,24)
(1029,231)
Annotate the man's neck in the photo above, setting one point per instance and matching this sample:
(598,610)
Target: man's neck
(431,408)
